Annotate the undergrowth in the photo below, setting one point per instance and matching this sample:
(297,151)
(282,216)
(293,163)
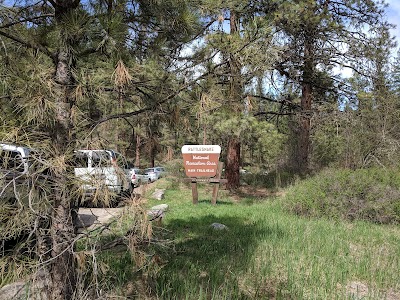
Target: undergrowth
(366,194)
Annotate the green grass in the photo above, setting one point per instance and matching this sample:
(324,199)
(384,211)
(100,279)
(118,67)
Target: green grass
(268,253)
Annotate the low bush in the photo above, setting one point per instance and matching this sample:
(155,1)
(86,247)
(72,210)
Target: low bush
(365,194)
(175,168)
(272,180)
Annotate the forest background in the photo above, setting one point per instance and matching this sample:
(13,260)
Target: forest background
(263,79)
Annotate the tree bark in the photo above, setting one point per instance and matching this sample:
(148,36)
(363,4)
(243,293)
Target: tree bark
(233,151)
(137,148)
(306,101)
(62,230)
(232,164)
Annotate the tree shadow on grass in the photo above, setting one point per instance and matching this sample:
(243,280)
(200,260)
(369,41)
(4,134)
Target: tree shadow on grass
(206,263)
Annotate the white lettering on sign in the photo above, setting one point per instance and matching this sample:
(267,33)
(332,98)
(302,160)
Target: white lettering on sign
(201,148)
(195,163)
(205,170)
(201,157)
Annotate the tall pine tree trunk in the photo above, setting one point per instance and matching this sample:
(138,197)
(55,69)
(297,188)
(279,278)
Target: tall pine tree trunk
(62,231)
(62,227)
(137,151)
(233,151)
(232,163)
(306,101)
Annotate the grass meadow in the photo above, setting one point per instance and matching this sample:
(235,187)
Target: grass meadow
(266,252)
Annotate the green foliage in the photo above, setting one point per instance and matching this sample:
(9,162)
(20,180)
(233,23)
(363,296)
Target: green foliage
(365,194)
(272,180)
(261,138)
(328,139)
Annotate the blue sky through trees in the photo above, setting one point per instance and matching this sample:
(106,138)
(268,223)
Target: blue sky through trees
(393,16)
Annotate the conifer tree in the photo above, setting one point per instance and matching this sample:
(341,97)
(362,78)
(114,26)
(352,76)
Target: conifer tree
(319,36)
(73,47)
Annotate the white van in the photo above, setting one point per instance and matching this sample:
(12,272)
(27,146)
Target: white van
(97,169)
(14,170)
(14,160)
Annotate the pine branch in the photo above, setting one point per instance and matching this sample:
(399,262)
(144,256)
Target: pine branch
(26,20)
(29,45)
(263,113)
(150,107)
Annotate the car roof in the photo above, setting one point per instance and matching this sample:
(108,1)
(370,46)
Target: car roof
(21,149)
(110,152)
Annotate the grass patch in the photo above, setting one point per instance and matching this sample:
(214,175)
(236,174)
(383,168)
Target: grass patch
(268,253)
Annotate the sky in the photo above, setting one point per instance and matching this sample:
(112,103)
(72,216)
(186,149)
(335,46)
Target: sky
(393,16)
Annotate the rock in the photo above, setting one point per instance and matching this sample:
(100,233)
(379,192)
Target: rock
(35,288)
(163,207)
(85,220)
(12,290)
(218,226)
(158,194)
(157,213)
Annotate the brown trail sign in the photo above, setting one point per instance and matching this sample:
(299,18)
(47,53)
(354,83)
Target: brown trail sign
(201,164)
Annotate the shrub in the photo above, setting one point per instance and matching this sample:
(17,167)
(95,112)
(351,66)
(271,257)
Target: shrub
(272,180)
(175,168)
(365,194)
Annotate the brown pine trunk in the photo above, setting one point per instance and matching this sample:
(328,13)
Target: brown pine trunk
(137,151)
(153,152)
(305,118)
(304,133)
(232,164)
(62,230)
(233,151)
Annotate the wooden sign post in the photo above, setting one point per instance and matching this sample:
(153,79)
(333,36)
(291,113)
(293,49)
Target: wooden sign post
(202,165)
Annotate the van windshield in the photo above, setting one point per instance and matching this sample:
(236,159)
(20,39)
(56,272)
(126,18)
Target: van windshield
(11,160)
(80,160)
(101,159)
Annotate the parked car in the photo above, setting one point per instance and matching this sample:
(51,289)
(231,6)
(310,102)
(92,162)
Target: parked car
(99,169)
(14,159)
(155,173)
(21,187)
(161,171)
(16,164)
(138,177)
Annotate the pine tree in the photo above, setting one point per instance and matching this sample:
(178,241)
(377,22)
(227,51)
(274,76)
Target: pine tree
(320,35)
(63,89)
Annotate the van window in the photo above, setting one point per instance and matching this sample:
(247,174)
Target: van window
(80,160)
(11,160)
(100,159)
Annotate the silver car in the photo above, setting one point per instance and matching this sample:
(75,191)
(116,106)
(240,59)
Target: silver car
(152,173)
(138,177)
